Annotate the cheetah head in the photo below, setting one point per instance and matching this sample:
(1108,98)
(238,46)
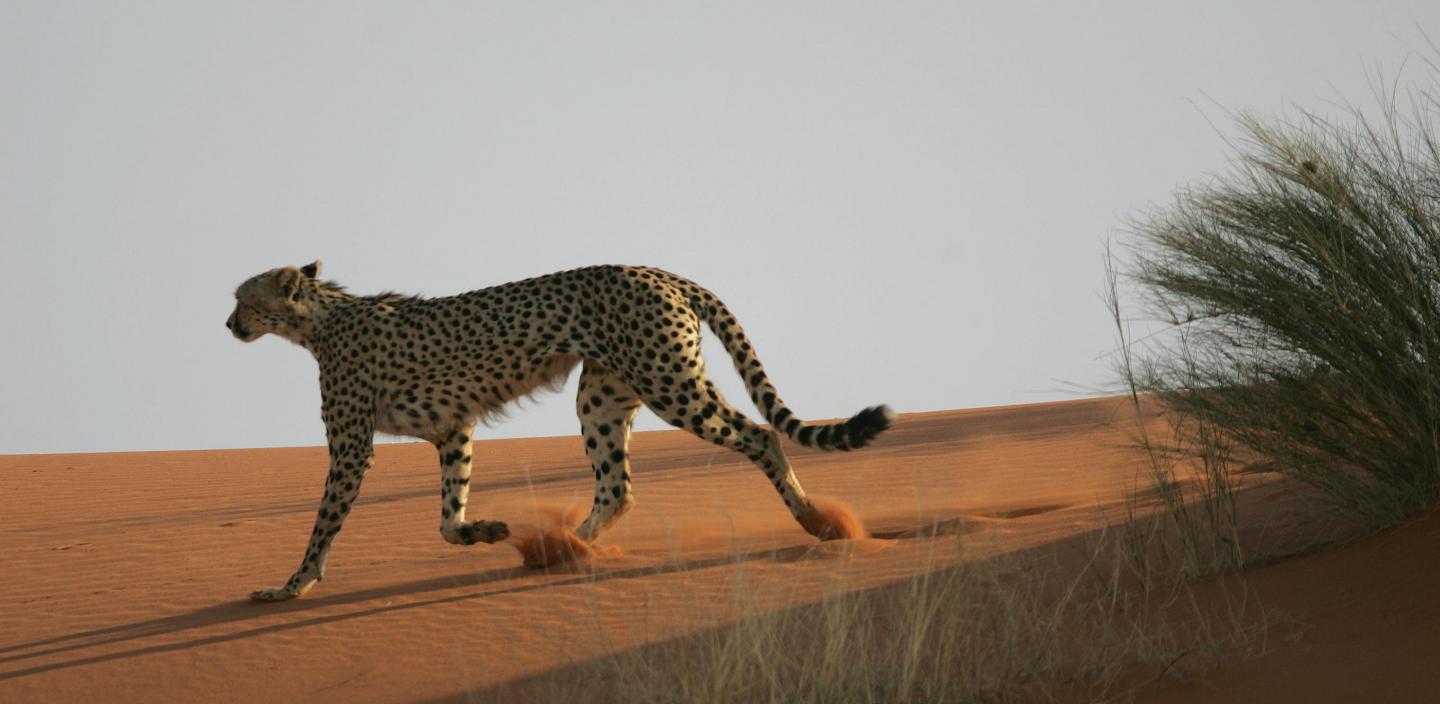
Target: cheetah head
(277,301)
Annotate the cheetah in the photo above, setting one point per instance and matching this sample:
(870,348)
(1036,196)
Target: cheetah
(432,368)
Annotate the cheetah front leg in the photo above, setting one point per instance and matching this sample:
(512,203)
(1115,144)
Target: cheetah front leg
(351,455)
(455,454)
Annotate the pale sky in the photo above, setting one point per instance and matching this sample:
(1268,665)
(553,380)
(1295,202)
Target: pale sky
(902,202)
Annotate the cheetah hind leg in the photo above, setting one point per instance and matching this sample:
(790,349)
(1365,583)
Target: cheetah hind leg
(606,407)
(719,423)
(823,518)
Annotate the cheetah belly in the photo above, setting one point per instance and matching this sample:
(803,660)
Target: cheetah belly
(389,422)
(395,416)
(386,421)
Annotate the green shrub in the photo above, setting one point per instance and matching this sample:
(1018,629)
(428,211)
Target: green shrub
(1301,291)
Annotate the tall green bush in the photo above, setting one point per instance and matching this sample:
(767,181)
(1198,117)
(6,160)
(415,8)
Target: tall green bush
(1301,290)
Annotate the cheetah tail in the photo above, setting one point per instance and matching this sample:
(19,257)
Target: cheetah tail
(851,434)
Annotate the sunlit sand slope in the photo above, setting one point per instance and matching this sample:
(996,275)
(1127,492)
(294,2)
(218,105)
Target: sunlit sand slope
(126,575)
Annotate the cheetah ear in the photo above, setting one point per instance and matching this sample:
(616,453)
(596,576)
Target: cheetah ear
(288,281)
(311,270)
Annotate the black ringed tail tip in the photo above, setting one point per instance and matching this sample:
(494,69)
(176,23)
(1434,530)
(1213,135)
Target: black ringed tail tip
(852,434)
(865,425)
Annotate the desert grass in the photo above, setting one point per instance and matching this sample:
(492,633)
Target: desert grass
(1299,296)
(995,629)
(1190,470)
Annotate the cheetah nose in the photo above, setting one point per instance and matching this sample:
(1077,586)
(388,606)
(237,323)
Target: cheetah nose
(235,328)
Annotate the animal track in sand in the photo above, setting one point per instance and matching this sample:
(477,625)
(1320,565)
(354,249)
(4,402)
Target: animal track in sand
(1024,511)
(961,525)
(938,528)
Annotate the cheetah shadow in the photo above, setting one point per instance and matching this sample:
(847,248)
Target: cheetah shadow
(245,610)
(241,610)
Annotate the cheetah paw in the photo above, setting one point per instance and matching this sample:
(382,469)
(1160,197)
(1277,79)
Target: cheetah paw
(298,584)
(273,594)
(483,532)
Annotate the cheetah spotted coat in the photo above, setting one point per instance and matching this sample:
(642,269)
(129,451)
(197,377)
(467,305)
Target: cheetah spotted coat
(434,367)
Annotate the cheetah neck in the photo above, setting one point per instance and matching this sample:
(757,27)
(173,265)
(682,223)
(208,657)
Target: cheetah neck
(307,327)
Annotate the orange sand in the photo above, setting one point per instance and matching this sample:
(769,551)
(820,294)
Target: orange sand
(1357,623)
(549,538)
(833,520)
(126,575)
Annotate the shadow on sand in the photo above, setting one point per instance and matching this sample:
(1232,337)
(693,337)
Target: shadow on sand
(245,610)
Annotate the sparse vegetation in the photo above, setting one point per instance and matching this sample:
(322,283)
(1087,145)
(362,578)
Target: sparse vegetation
(1301,298)
(962,630)
(1189,470)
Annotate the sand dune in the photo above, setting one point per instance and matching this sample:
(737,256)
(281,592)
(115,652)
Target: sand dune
(1356,623)
(127,573)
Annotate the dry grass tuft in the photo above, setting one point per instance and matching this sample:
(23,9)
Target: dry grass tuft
(988,630)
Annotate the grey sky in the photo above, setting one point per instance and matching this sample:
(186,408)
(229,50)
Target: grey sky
(903,202)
